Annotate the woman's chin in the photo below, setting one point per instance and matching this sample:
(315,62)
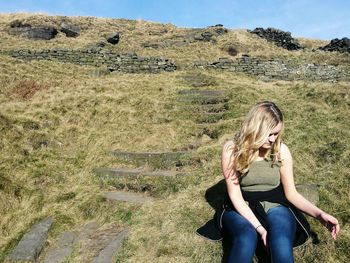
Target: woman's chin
(267,146)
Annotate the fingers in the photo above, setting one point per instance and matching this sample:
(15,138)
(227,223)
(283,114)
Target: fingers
(335,231)
(265,244)
(332,224)
(334,228)
(337,228)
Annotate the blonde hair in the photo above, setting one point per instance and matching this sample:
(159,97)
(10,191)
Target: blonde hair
(255,130)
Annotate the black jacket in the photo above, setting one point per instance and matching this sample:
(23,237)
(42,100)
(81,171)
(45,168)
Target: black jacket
(213,229)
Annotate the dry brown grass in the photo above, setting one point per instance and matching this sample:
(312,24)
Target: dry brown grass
(312,43)
(50,143)
(134,33)
(26,89)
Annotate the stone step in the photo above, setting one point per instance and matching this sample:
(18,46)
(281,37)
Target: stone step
(212,130)
(107,255)
(210,117)
(58,255)
(110,173)
(129,197)
(219,107)
(203,96)
(201,100)
(198,80)
(154,159)
(31,244)
(90,243)
(65,243)
(102,244)
(198,142)
(202,92)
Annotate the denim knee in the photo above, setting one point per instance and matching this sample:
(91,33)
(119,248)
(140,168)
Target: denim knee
(238,227)
(281,232)
(242,235)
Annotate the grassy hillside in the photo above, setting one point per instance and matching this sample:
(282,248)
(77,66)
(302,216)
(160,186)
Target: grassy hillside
(58,122)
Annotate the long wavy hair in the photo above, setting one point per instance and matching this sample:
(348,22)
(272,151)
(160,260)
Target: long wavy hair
(255,130)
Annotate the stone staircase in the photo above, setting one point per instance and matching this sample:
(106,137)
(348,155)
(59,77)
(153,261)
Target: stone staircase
(207,108)
(204,106)
(92,243)
(95,243)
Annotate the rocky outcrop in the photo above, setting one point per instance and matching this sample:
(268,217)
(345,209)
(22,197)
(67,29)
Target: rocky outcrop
(70,30)
(208,34)
(113,38)
(219,29)
(340,45)
(19,29)
(279,37)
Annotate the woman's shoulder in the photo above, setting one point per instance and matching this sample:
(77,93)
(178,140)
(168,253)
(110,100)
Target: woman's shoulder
(228,146)
(285,152)
(227,150)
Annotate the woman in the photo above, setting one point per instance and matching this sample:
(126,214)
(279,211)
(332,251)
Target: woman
(262,201)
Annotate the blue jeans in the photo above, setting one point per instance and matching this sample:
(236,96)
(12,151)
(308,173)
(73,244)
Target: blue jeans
(281,227)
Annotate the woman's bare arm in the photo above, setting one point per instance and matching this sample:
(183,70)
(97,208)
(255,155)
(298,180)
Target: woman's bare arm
(297,199)
(234,190)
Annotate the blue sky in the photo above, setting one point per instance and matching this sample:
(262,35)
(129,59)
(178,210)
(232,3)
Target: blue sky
(322,19)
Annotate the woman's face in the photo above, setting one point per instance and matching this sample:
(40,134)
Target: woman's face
(272,137)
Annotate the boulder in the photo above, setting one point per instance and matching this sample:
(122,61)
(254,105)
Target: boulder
(113,38)
(70,30)
(219,29)
(44,33)
(19,28)
(205,36)
(340,45)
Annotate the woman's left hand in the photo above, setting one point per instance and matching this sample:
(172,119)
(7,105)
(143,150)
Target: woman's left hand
(330,222)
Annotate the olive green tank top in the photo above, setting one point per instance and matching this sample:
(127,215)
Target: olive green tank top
(262,176)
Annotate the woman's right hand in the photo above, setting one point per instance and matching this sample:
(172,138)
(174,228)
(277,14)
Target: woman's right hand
(263,233)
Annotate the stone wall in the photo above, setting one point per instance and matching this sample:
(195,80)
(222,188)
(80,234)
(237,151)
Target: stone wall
(271,69)
(129,63)
(277,69)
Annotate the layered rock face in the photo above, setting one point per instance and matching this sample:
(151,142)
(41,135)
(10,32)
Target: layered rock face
(340,45)
(26,30)
(279,37)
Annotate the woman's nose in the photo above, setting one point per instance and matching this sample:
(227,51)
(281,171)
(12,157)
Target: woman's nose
(272,138)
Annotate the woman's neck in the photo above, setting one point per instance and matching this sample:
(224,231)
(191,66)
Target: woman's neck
(262,154)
